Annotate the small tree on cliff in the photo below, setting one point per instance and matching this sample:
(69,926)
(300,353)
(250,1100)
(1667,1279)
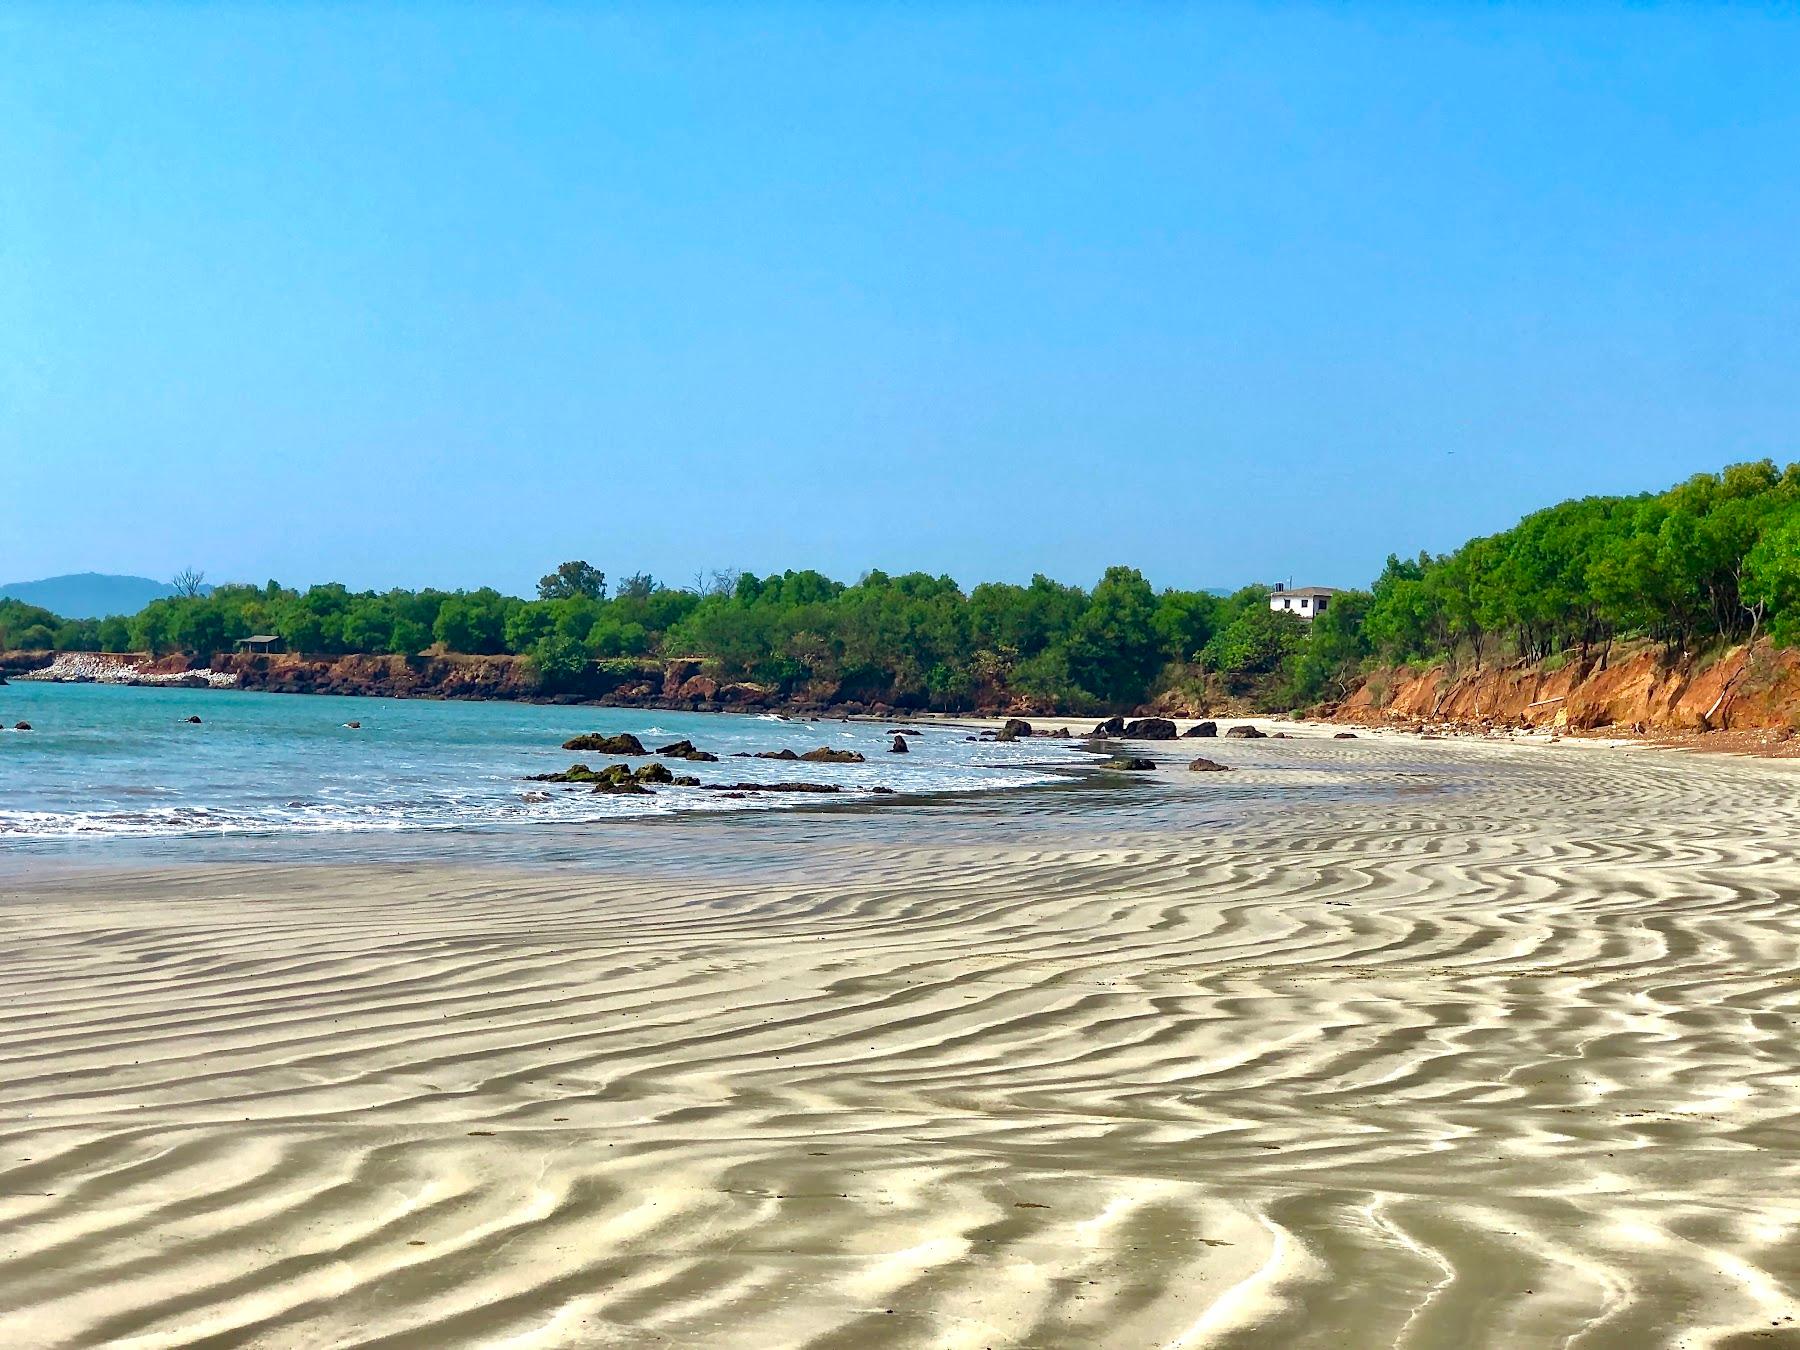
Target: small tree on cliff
(573,579)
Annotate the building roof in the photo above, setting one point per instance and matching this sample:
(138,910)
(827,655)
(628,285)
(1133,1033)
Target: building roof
(1307,590)
(262,637)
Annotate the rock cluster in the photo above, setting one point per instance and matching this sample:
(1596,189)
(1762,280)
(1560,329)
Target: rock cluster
(1202,729)
(622,744)
(685,749)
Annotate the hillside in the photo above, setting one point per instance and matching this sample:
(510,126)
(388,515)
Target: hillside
(88,595)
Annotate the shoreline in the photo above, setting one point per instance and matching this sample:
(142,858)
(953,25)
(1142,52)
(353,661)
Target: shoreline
(1080,1068)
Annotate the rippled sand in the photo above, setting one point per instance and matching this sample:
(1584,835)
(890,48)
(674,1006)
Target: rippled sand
(1368,1044)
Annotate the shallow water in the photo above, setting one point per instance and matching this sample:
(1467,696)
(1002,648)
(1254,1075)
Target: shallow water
(119,763)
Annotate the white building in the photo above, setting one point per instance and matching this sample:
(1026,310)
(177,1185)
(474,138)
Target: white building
(1308,602)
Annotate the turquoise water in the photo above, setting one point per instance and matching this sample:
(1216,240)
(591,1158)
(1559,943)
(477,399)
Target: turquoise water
(115,763)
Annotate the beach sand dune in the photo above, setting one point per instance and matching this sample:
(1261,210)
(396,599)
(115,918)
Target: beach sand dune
(1384,1045)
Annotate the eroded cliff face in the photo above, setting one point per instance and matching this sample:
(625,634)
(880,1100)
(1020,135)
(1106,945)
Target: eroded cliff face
(1636,688)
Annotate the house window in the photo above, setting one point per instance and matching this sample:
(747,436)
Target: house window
(1284,604)
(1322,603)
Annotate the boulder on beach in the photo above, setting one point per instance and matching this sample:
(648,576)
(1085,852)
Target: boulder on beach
(1208,766)
(622,744)
(1012,729)
(884,791)
(1344,736)
(1112,726)
(685,749)
(1129,762)
(654,773)
(1202,729)
(1149,729)
(1245,733)
(826,755)
(1061,733)
(899,747)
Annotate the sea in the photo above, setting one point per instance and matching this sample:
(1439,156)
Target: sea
(111,765)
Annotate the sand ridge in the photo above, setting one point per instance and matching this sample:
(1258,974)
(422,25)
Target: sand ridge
(1413,1045)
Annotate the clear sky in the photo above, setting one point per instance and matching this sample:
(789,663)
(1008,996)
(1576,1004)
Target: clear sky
(443,295)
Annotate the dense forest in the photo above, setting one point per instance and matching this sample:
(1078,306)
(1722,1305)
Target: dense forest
(1715,559)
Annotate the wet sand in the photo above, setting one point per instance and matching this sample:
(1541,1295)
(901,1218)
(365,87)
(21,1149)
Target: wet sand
(1370,1043)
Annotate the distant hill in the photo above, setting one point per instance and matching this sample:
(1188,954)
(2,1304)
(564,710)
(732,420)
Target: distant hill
(88,595)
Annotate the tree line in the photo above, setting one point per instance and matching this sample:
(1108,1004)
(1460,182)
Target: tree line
(1714,559)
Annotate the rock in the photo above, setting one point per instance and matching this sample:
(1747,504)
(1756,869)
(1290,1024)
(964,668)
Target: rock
(1149,729)
(1280,736)
(1208,766)
(899,747)
(738,789)
(1127,762)
(192,721)
(1112,726)
(1013,728)
(826,755)
(774,754)
(884,791)
(625,788)
(21,726)
(1245,733)
(654,773)
(686,750)
(622,744)
(1202,729)
(684,780)
(1344,736)
(1061,734)
(535,797)
(354,726)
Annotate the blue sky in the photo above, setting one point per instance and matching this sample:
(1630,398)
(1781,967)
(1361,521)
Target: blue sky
(414,295)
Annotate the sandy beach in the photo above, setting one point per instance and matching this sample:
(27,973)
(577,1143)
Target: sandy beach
(1423,1045)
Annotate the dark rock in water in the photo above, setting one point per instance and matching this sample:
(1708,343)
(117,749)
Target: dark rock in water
(826,755)
(1280,736)
(899,747)
(774,754)
(192,721)
(1202,729)
(1149,729)
(884,791)
(575,773)
(684,780)
(1208,766)
(1129,762)
(622,744)
(738,789)
(21,726)
(1344,736)
(1061,734)
(625,788)
(687,750)
(1245,733)
(354,726)
(654,773)
(1112,726)
(1013,728)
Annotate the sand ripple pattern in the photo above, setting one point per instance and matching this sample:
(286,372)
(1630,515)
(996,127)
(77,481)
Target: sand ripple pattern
(1369,1044)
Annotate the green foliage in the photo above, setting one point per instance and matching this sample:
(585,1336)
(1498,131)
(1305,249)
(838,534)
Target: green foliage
(1256,642)
(573,579)
(1701,562)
